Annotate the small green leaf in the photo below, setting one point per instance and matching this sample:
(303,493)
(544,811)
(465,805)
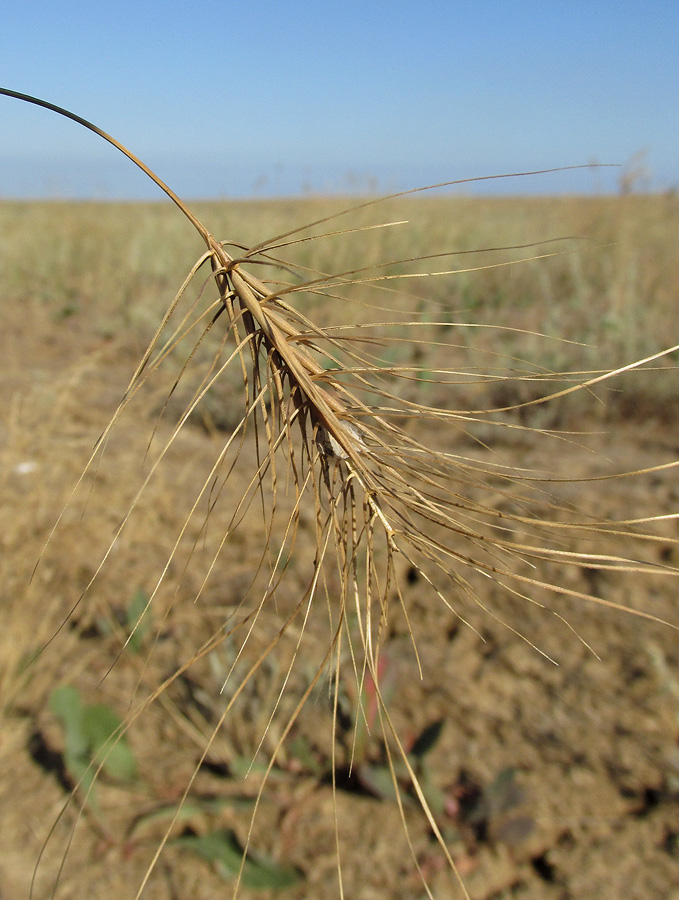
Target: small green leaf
(83,773)
(139,622)
(63,700)
(434,797)
(99,722)
(101,725)
(222,848)
(189,811)
(242,767)
(163,815)
(67,706)
(90,731)
(378,780)
(428,739)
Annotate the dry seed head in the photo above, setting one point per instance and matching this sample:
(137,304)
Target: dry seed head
(330,448)
(400,495)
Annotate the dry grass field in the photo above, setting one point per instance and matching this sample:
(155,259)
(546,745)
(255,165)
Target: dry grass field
(541,722)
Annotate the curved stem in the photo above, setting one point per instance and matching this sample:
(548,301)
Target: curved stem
(200,228)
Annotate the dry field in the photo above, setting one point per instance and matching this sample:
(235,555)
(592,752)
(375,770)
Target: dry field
(542,725)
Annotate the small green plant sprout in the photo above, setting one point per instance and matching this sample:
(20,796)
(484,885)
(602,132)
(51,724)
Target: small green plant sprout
(255,870)
(93,738)
(139,620)
(136,621)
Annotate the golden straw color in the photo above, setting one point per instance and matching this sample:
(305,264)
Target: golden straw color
(357,426)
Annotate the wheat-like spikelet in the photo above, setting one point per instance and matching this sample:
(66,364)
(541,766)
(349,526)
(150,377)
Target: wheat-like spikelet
(332,436)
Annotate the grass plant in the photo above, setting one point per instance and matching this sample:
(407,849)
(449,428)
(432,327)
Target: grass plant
(357,415)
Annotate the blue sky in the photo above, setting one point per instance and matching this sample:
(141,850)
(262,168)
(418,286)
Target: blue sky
(268,97)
